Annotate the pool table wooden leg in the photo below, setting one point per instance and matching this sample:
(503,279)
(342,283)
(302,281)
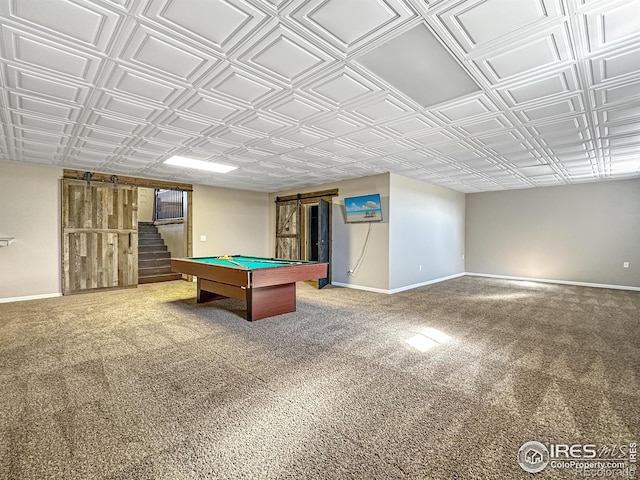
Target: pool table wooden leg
(263,302)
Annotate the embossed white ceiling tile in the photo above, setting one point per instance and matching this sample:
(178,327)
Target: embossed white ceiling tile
(273,147)
(89,145)
(114,123)
(391,148)
(284,87)
(465,109)
(368,137)
(628,112)
(566,106)
(91,25)
(162,55)
(345,24)
(241,85)
(337,125)
(535,89)
(610,130)
(548,49)
(40,142)
(262,124)
(433,138)
(35,52)
(41,106)
(623,64)
(618,141)
(285,54)
(105,136)
(301,138)
(479,22)
(235,136)
(380,111)
(208,108)
(185,122)
(128,107)
(295,107)
(560,127)
(221,24)
(612,23)
(496,123)
(209,146)
(31,121)
(341,87)
(616,94)
(169,137)
(410,126)
(44,86)
(144,86)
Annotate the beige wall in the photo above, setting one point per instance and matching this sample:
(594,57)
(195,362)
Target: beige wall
(348,239)
(174,238)
(146,198)
(233,222)
(426,232)
(577,233)
(30,212)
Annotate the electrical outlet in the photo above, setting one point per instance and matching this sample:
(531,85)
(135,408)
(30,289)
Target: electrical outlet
(203,238)
(349,273)
(419,267)
(625,265)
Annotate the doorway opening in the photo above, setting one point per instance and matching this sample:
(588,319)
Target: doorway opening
(312,238)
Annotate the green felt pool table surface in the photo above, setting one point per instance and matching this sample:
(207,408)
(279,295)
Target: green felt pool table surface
(250,262)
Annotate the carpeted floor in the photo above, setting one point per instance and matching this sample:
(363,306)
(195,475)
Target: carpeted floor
(440,382)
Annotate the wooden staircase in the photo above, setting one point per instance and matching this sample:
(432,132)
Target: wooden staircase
(154,263)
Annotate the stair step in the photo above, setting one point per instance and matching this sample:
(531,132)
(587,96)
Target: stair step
(150,242)
(153,262)
(152,248)
(153,255)
(160,278)
(150,271)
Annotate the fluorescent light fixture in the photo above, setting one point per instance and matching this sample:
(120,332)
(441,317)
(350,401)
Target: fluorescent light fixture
(418,65)
(199,164)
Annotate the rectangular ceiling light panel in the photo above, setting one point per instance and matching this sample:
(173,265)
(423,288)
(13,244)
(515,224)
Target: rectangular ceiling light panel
(418,65)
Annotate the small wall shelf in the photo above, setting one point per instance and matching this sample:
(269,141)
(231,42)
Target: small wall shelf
(6,241)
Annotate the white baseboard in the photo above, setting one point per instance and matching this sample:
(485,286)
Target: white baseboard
(428,282)
(396,290)
(547,280)
(359,287)
(30,297)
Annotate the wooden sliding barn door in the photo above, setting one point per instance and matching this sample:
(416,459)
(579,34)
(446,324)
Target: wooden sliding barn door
(288,237)
(100,235)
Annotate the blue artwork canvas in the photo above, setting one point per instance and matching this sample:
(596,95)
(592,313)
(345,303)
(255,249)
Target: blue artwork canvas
(365,208)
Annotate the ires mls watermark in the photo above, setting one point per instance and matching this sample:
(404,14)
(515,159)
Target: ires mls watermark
(583,459)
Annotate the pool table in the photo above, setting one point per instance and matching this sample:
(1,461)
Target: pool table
(267,285)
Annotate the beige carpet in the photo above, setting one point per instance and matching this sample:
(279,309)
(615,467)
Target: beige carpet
(147,384)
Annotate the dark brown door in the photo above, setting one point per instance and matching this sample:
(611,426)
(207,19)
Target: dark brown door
(100,236)
(324,238)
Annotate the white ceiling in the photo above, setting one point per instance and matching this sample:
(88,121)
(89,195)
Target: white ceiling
(304,92)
